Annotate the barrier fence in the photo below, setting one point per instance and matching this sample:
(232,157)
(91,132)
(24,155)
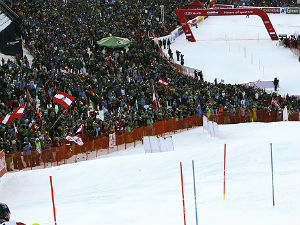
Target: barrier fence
(97,146)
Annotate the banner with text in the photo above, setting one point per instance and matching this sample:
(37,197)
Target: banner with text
(293,11)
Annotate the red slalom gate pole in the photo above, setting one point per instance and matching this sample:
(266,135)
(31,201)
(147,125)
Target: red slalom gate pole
(224,171)
(182,193)
(52,194)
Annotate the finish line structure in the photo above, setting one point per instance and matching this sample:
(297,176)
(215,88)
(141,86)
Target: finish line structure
(182,13)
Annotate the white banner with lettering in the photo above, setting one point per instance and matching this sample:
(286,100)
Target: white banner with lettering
(2,164)
(112,140)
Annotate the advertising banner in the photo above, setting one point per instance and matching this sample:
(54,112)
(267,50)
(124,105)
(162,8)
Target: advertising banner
(271,10)
(112,140)
(154,144)
(293,11)
(219,6)
(2,164)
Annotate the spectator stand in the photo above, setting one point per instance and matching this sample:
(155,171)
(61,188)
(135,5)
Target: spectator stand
(67,59)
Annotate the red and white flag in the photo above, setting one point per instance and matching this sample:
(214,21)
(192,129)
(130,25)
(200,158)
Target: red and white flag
(69,138)
(65,70)
(80,129)
(275,103)
(77,139)
(163,82)
(7,119)
(155,101)
(64,99)
(17,113)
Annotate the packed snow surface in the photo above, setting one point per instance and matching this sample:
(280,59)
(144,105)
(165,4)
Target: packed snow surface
(132,188)
(239,50)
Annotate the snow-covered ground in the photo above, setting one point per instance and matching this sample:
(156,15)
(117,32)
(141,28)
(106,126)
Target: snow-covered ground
(239,50)
(133,188)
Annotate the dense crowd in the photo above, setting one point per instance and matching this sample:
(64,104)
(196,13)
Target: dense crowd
(292,41)
(260,3)
(117,83)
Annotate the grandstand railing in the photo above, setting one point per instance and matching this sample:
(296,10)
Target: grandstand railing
(97,146)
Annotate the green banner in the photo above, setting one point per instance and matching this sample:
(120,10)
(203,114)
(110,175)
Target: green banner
(293,11)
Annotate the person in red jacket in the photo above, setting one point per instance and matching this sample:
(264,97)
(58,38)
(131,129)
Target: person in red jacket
(5,216)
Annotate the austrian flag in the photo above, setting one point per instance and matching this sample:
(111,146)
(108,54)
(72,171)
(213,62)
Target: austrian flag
(163,82)
(64,99)
(76,139)
(17,113)
(155,101)
(80,129)
(275,103)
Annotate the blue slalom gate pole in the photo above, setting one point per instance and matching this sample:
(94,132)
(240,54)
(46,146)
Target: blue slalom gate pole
(272,175)
(195,193)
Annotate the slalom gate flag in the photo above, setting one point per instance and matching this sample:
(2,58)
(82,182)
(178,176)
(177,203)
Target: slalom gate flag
(155,102)
(80,129)
(17,113)
(64,99)
(275,103)
(163,82)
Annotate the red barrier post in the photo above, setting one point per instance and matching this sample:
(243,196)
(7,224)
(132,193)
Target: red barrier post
(182,193)
(52,194)
(224,171)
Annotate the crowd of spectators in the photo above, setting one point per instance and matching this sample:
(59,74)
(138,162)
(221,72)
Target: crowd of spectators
(293,41)
(260,3)
(62,37)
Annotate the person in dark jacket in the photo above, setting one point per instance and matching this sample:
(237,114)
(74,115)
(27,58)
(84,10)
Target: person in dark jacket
(5,216)
(276,82)
(177,54)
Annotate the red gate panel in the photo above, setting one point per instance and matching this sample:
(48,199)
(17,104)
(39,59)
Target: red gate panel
(182,13)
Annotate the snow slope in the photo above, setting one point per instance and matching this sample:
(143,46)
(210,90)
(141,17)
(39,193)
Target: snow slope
(239,50)
(133,188)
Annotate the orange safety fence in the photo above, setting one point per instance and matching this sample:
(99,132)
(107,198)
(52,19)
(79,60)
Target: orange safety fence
(96,146)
